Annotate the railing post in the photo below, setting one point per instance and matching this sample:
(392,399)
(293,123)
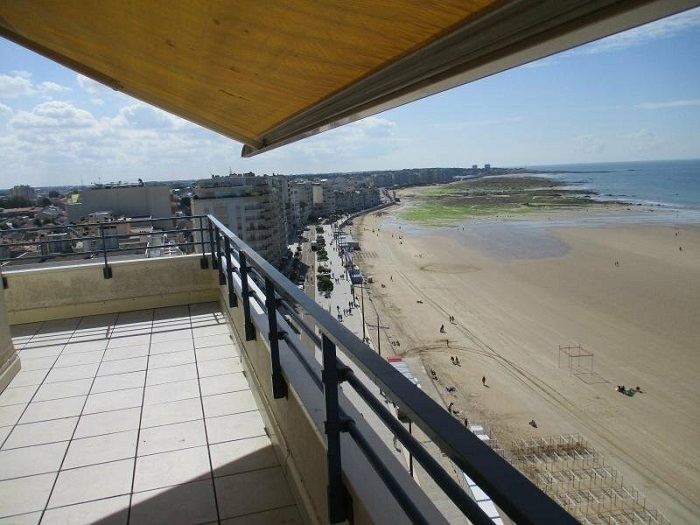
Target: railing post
(245,292)
(106,271)
(212,247)
(232,297)
(279,385)
(203,262)
(339,501)
(219,257)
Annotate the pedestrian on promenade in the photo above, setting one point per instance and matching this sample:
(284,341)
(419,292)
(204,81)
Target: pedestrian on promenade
(483,380)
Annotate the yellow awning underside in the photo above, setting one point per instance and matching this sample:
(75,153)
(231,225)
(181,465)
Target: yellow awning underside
(266,73)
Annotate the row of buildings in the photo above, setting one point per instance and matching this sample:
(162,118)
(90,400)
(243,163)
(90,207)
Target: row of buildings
(267,212)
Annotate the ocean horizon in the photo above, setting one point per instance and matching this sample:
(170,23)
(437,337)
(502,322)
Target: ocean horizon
(667,183)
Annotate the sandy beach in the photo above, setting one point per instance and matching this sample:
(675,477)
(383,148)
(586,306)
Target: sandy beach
(627,293)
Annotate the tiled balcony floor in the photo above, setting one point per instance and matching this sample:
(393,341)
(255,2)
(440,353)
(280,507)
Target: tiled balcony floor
(139,417)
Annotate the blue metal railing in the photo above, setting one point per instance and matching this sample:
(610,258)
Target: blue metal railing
(514,494)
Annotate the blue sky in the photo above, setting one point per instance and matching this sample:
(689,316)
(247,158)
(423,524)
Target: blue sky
(633,96)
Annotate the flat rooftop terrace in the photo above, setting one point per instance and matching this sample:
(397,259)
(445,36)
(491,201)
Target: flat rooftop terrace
(136,417)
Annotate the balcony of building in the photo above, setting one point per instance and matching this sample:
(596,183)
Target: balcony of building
(150,391)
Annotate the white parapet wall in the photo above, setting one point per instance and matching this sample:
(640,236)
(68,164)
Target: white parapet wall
(58,292)
(9,360)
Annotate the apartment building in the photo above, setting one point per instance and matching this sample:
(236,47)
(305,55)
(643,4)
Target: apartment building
(128,200)
(250,206)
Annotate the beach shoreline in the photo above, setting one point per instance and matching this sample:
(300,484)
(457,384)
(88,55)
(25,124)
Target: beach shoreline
(626,292)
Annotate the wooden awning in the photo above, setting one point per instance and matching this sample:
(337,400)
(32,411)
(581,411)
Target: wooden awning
(268,72)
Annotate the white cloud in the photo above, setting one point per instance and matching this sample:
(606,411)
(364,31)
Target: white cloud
(539,63)
(664,28)
(366,137)
(670,104)
(53,114)
(5,110)
(52,86)
(15,86)
(590,145)
(143,116)
(89,85)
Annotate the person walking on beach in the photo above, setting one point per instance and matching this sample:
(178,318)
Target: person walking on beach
(483,380)
(442,328)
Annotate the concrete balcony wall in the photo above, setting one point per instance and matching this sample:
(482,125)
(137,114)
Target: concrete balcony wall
(9,360)
(59,292)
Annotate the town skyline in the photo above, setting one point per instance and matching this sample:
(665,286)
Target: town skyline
(633,96)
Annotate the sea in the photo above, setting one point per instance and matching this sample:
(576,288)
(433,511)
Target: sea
(659,192)
(667,183)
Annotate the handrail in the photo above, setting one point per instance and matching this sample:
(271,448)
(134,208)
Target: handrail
(103,241)
(519,498)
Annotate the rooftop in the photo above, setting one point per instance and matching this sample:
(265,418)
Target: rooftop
(136,417)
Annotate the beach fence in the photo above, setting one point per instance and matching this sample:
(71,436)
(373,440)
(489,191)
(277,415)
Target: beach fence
(577,477)
(579,363)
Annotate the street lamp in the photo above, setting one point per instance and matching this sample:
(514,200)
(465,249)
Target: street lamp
(362,295)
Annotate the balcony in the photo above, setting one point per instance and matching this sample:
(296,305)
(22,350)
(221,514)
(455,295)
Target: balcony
(151,391)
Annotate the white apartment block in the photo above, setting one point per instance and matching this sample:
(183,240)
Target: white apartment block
(127,200)
(250,206)
(24,191)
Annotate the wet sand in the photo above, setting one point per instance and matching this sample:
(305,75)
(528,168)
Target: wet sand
(513,307)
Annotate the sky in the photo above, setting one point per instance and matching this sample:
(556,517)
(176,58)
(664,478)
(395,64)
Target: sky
(632,96)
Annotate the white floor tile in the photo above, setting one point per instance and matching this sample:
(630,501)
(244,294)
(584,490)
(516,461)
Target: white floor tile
(171,336)
(126,352)
(108,422)
(109,511)
(37,363)
(79,347)
(172,437)
(229,403)
(171,392)
(171,468)
(173,345)
(105,401)
(31,518)
(171,359)
(101,449)
(123,366)
(39,351)
(225,383)
(236,426)
(172,412)
(17,395)
(212,353)
(71,373)
(286,515)
(49,391)
(9,415)
(242,455)
(29,461)
(4,432)
(22,495)
(28,377)
(213,340)
(118,382)
(181,505)
(239,494)
(54,409)
(210,329)
(42,432)
(219,367)
(84,358)
(159,376)
(131,338)
(93,482)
